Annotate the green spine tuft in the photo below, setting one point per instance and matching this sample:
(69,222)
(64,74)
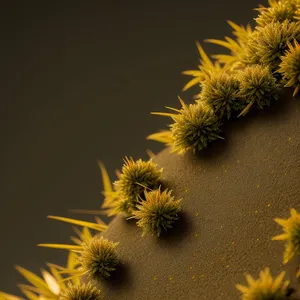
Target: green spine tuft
(268,43)
(136,176)
(221,91)
(158,212)
(98,258)
(291,235)
(266,288)
(277,12)
(290,67)
(257,86)
(194,128)
(81,292)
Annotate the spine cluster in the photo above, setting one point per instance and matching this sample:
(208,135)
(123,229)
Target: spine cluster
(262,61)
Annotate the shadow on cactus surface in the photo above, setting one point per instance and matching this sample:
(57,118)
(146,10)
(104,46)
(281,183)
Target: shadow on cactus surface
(209,205)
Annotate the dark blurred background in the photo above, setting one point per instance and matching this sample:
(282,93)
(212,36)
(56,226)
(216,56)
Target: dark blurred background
(78,83)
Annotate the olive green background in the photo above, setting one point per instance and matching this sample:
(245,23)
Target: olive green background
(78,83)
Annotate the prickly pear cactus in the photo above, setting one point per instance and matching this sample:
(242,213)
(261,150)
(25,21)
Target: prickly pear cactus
(216,215)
